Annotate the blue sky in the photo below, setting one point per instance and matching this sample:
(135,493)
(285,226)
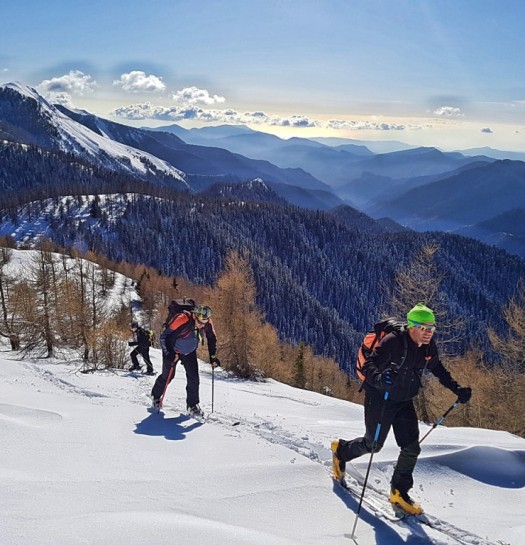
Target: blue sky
(448,73)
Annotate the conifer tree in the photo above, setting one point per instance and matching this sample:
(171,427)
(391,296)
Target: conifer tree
(299,371)
(42,266)
(420,282)
(7,328)
(233,300)
(511,348)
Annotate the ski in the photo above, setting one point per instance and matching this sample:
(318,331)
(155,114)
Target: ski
(374,506)
(205,417)
(198,417)
(376,502)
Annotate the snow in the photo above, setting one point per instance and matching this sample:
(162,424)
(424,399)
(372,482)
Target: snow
(122,292)
(75,138)
(31,227)
(86,461)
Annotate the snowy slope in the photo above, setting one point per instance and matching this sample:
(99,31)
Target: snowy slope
(84,460)
(74,138)
(122,292)
(31,227)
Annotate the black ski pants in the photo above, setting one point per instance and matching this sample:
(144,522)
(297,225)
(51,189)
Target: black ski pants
(192,378)
(144,352)
(402,418)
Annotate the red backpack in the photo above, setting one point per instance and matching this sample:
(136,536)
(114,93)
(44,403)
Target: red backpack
(177,306)
(372,339)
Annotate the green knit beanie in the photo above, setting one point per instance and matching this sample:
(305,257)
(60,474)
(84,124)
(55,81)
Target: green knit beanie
(420,314)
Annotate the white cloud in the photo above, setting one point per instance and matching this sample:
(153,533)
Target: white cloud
(261,118)
(340,124)
(146,110)
(194,95)
(74,82)
(294,121)
(175,113)
(449,111)
(136,81)
(60,98)
(487,130)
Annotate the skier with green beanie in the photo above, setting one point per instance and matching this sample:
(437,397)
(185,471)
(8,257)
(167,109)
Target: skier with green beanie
(396,365)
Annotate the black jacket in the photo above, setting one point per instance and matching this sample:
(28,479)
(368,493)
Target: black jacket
(407,377)
(142,341)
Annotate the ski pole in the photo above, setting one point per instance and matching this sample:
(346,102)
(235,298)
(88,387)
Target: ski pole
(374,444)
(212,385)
(170,376)
(453,406)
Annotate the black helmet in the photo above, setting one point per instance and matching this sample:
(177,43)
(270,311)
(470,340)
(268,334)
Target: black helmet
(134,325)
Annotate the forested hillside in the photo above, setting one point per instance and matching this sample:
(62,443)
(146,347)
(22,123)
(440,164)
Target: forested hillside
(322,277)
(318,279)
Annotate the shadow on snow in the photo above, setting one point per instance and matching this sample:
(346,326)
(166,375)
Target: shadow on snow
(173,429)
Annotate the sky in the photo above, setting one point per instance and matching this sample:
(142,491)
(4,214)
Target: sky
(447,73)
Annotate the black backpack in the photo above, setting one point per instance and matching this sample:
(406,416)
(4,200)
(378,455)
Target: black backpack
(372,338)
(177,306)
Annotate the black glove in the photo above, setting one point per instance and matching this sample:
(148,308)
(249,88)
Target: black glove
(170,357)
(464,394)
(385,379)
(215,361)
(133,344)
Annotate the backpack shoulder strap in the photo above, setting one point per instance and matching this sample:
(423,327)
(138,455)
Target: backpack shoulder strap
(404,336)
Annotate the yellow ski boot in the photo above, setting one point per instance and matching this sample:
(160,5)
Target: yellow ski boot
(404,504)
(338,465)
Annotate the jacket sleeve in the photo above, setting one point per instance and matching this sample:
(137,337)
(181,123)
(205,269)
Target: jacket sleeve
(438,369)
(211,338)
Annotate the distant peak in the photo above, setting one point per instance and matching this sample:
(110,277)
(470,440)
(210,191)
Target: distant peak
(22,89)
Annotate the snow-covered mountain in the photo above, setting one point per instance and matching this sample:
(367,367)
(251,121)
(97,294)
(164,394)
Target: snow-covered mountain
(25,116)
(158,157)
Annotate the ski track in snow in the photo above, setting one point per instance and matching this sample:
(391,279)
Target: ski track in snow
(376,499)
(270,431)
(65,385)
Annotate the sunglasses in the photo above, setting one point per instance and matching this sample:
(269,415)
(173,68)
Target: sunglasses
(423,327)
(202,320)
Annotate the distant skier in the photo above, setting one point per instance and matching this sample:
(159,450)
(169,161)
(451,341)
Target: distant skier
(179,342)
(141,344)
(384,370)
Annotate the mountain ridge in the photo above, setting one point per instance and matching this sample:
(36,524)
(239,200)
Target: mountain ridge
(40,123)
(319,276)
